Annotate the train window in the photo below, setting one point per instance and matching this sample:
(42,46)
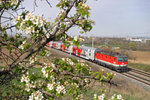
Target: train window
(125,58)
(89,54)
(120,59)
(114,59)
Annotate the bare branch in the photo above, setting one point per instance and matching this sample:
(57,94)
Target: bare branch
(70,7)
(35,3)
(48,94)
(49,3)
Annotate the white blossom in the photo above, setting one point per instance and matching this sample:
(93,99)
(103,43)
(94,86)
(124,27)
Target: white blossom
(14,2)
(52,78)
(29,16)
(80,28)
(95,96)
(101,97)
(53,65)
(17,18)
(30,29)
(80,97)
(81,39)
(60,89)
(22,45)
(75,84)
(75,38)
(71,63)
(32,60)
(25,79)
(37,95)
(113,97)
(28,84)
(45,73)
(63,59)
(86,80)
(50,86)
(84,5)
(82,64)
(66,83)
(67,59)
(119,97)
(45,64)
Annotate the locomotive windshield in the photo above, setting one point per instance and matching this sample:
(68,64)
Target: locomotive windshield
(121,59)
(125,58)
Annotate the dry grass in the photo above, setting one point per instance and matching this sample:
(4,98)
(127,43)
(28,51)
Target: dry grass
(131,89)
(141,57)
(128,90)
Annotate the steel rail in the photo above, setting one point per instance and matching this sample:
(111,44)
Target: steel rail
(142,80)
(140,72)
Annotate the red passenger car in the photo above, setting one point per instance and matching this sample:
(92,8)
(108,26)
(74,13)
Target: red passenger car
(54,45)
(62,47)
(76,51)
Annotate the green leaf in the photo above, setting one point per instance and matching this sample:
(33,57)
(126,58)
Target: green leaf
(63,25)
(97,76)
(81,32)
(4,94)
(95,73)
(42,52)
(101,78)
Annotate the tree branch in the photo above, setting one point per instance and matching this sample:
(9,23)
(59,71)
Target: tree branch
(48,94)
(49,3)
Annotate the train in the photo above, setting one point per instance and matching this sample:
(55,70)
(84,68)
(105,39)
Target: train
(111,60)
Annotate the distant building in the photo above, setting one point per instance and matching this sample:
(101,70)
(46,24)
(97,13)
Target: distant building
(116,48)
(137,39)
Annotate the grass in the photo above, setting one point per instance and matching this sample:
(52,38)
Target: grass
(90,94)
(126,96)
(144,67)
(2,67)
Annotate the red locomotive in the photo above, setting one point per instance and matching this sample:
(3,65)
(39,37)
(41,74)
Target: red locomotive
(112,60)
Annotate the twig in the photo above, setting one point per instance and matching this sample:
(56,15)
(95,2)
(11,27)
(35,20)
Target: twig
(46,93)
(49,3)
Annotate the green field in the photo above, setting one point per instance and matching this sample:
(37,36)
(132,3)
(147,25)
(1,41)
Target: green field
(144,67)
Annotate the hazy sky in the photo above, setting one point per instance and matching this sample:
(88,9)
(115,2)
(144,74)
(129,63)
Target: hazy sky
(112,17)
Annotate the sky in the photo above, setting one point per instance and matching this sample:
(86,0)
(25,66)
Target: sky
(113,18)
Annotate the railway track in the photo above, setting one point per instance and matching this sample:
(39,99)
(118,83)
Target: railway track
(135,74)
(138,75)
(137,78)
(140,72)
